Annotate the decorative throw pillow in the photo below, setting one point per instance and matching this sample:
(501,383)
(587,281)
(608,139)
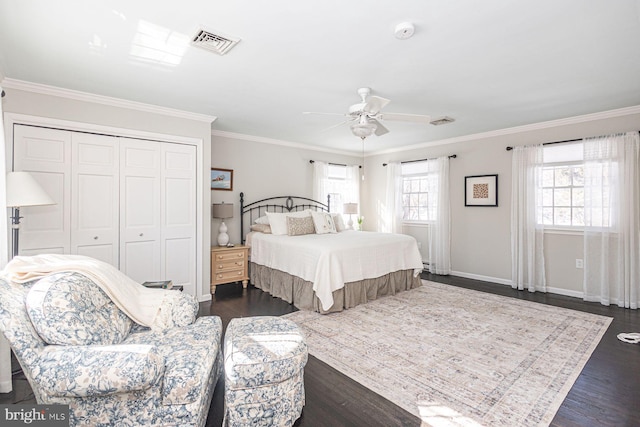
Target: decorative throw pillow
(300,226)
(262,228)
(323,222)
(278,220)
(339,222)
(70,309)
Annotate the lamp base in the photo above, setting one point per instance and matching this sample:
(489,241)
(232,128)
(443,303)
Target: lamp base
(223,237)
(350,223)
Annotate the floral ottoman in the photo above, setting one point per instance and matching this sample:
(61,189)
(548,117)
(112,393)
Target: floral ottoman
(264,359)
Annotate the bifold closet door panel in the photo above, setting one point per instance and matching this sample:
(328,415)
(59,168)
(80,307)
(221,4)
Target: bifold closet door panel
(46,155)
(178,198)
(95,202)
(140,227)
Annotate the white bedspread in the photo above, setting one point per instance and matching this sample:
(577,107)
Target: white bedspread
(331,260)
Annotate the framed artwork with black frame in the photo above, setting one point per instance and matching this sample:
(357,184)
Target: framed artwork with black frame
(481,190)
(221,179)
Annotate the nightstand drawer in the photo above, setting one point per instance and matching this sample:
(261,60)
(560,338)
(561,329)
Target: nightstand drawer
(220,266)
(227,276)
(230,255)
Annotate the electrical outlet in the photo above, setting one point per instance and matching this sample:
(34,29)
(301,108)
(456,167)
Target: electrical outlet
(579,263)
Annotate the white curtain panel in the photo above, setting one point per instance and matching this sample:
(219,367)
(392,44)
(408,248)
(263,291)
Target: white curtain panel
(612,217)
(5,353)
(527,233)
(352,190)
(440,238)
(391,218)
(320,181)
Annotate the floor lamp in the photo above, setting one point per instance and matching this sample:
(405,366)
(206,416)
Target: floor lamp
(22,191)
(223,211)
(351,209)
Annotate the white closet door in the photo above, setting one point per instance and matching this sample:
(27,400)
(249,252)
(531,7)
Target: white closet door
(178,198)
(94,205)
(140,209)
(46,154)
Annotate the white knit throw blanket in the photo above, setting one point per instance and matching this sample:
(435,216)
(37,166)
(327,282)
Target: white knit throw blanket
(141,304)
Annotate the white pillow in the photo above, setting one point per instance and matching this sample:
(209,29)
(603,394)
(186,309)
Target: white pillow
(262,220)
(278,221)
(339,222)
(323,222)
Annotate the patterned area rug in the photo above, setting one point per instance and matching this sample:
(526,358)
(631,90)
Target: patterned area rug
(458,357)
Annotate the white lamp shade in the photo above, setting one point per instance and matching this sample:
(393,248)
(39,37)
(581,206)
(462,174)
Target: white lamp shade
(222,210)
(24,190)
(350,208)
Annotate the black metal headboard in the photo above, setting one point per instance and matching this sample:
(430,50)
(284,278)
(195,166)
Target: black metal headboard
(277,204)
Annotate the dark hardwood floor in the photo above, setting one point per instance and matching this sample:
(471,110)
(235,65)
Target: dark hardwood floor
(607,392)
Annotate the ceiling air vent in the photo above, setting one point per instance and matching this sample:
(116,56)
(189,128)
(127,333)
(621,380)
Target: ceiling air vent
(217,43)
(442,121)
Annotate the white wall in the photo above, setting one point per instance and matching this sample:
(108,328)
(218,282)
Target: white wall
(480,240)
(262,170)
(62,108)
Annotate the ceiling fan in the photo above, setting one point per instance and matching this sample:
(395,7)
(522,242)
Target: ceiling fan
(366,115)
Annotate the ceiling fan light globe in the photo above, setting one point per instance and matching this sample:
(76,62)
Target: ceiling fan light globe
(363,130)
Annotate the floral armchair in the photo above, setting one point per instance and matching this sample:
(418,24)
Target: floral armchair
(76,347)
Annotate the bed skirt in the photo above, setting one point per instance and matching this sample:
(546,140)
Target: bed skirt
(299,292)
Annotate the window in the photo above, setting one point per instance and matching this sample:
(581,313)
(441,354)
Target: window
(340,182)
(563,195)
(419,184)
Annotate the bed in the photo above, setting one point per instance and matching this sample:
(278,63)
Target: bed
(325,272)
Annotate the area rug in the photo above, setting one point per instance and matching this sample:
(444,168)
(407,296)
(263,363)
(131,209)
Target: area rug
(458,357)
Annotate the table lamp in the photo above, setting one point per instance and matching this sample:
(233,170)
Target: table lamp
(350,208)
(222,211)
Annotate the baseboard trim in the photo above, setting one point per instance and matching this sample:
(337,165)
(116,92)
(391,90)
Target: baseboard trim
(205,297)
(550,289)
(6,386)
(481,278)
(565,292)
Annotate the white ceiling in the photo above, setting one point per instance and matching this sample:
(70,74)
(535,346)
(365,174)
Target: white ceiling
(489,64)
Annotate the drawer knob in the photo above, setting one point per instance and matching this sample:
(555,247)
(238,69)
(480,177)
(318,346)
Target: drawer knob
(219,276)
(239,254)
(239,273)
(220,266)
(219,256)
(95,237)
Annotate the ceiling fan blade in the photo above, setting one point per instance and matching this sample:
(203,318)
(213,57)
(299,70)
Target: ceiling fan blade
(380,129)
(335,126)
(375,104)
(416,118)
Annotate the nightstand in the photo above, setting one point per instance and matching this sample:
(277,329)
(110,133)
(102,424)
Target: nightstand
(229,265)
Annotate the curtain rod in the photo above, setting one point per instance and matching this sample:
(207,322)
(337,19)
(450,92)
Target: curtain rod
(334,164)
(453,156)
(554,142)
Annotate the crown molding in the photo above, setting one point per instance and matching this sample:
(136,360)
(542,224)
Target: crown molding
(620,112)
(104,100)
(273,141)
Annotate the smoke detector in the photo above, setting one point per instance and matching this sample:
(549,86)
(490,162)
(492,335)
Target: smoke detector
(404,30)
(214,41)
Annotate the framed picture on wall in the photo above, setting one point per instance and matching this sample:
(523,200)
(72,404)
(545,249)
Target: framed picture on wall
(221,179)
(481,190)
